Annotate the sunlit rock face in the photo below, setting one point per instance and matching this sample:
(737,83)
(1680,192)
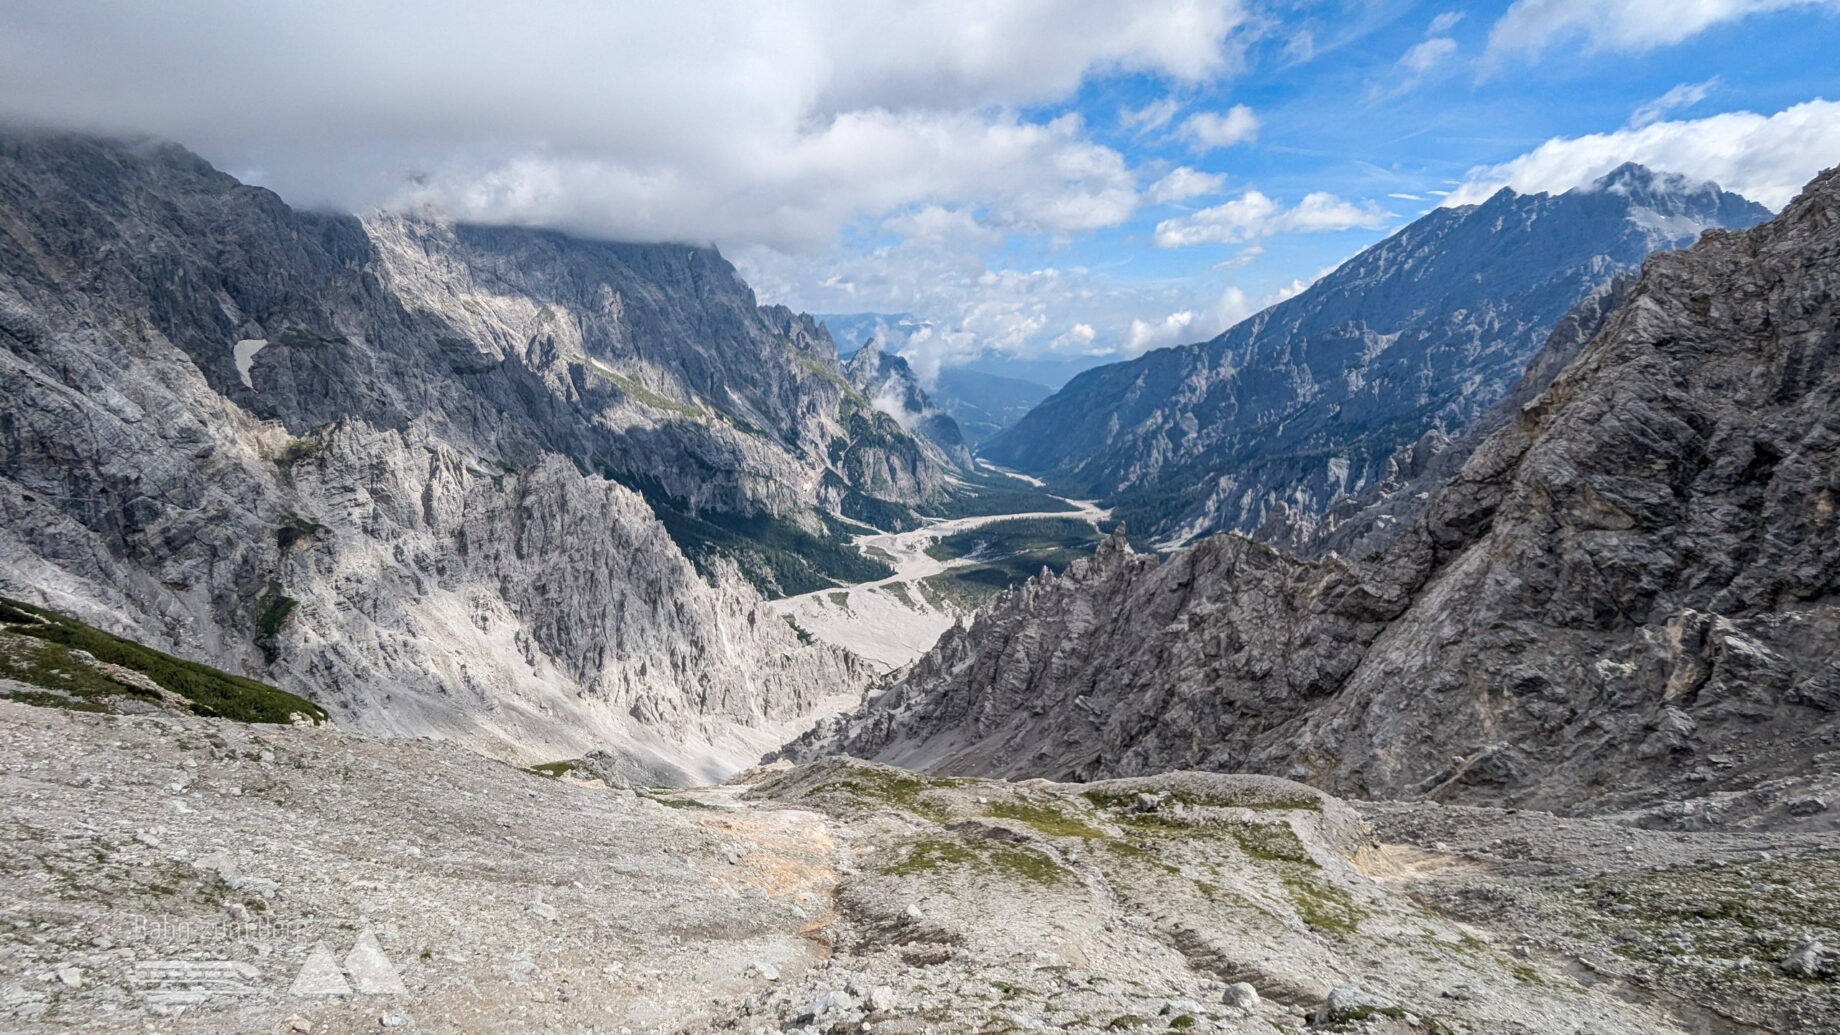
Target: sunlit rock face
(390,463)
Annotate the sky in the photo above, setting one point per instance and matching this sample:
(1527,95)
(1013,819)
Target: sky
(1071,181)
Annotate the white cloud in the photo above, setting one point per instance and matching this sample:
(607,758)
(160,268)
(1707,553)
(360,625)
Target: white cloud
(797,190)
(1443,23)
(1184,183)
(1765,158)
(1170,330)
(1253,215)
(1686,95)
(1208,130)
(1151,117)
(1244,257)
(1301,47)
(734,121)
(969,308)
(1191,325)
(1235,305)
(1423,57)
(1078,338)
(938,223)
(1531,26)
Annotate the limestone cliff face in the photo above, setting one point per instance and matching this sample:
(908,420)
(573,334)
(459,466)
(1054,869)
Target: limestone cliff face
(649,359)
(1625,595)
(369,460)
(892,388)
(1309,401)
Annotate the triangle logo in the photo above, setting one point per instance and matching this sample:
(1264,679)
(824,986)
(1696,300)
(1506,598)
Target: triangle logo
(319,975)
(371,971)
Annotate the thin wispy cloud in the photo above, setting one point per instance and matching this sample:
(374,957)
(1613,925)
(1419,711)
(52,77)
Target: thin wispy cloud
(1151,117)
(1530,27)
(1686,95)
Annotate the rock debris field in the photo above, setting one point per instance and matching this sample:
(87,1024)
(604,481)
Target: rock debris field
(177,874)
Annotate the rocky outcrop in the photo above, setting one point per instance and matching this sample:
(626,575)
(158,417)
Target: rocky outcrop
(1625,597)
(1361,526)
(652,360)
(379,462)
(893,389)
(1311,400)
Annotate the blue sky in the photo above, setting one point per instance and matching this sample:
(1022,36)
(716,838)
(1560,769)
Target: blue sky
(1353,122)
(1360,119)
(1071,179)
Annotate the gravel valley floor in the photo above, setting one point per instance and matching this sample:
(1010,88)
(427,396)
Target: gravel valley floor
(172,873)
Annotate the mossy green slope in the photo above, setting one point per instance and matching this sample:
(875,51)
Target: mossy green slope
(71,681)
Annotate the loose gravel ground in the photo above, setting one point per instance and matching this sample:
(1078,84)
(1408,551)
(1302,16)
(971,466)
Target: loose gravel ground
(176,874)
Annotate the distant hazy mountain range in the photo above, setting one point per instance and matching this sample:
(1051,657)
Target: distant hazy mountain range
(984,396)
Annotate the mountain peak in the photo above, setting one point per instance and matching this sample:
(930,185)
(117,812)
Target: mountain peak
(1627,174)
(1634,178)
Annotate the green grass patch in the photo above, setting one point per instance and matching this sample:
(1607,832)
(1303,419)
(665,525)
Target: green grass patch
(66,681)
(276,608)
(210,691)
(997,858)
(880,788)
(816,367)
(1321,904)
(885,515)
(1697,921)
(672,801)
(295,529)
(294,452)
(1047,537)
(983,492)
(972,587)
(1046,818)
(1008,553)
(1272,842)
(634,389)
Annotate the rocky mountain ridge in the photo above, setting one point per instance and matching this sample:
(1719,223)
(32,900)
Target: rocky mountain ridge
(1624,599)
(1308,401)
(415,470)
(894,389)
